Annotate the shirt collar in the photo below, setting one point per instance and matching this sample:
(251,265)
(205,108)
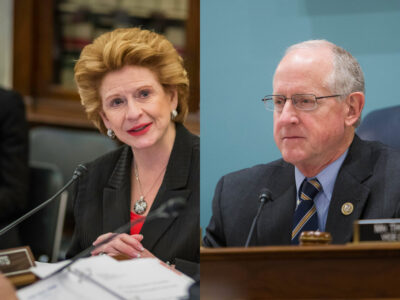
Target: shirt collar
(326,177)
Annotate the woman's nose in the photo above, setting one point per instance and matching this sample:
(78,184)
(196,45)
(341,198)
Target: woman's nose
(134,110)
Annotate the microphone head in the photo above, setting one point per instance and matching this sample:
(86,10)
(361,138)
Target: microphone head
(265,195)
(80,169)
(173,206)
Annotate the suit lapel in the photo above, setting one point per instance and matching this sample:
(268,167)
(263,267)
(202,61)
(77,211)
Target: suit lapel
(349,188)
(155,229)
(173,185)
(275,222)
(116,195)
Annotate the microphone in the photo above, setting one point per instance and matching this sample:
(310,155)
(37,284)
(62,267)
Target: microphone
(80,169)
(265,195)
(169,209)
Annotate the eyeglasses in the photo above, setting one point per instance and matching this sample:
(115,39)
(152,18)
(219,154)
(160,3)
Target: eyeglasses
(300,101)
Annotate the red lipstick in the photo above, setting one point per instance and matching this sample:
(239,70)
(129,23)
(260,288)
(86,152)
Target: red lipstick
(140,129)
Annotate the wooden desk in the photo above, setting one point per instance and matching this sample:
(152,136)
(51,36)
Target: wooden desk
(363,271)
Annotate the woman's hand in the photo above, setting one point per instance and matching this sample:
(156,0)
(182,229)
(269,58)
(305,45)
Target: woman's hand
(122,244)
(126,244)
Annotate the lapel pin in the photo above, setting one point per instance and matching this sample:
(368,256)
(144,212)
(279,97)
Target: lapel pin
(347,208)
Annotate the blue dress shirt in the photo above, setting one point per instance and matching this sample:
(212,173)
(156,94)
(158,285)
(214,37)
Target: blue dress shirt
(327,179)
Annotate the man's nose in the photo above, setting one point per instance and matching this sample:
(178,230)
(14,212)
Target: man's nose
(289,112)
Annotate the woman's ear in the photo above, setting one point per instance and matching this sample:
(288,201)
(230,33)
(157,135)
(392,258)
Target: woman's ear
(173,92)
(355,103)
(105,119)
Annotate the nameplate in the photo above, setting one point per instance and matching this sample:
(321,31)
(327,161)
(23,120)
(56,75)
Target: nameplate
(379,230)
(16,261)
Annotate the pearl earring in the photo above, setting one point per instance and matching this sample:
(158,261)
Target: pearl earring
(174,113)
(110,133)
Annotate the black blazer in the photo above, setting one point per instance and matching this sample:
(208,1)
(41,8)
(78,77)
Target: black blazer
(102,202)
(14,169)
(368,178)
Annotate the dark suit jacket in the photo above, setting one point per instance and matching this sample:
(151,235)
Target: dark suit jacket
(368,178)
(14,170)
(102,202)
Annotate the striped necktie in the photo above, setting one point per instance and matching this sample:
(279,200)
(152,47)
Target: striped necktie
(305,217)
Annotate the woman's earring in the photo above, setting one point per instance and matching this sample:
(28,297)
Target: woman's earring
(174,113)
(110,133)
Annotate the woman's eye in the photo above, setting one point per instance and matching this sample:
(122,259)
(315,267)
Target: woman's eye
(116,101)
(144,93)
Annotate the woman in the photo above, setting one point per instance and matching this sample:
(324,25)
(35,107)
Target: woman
(134,87)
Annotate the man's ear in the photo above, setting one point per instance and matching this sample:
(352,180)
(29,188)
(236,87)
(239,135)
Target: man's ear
(355,103)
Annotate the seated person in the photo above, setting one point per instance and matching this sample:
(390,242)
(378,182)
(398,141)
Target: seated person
(328,177)
(14,169)
(134,87)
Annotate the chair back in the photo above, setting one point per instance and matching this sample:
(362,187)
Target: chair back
(382,125)
(43,230)
(67,148)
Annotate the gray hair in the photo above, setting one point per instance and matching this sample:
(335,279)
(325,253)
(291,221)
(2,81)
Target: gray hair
(347,76)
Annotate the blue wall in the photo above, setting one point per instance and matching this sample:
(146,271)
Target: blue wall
(241,43)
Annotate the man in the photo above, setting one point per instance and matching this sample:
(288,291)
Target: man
(327,177)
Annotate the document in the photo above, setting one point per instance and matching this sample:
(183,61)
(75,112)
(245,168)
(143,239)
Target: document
(43,269)
(102,277)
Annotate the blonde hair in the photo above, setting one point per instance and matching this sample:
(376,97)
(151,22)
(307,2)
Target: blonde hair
(129,46)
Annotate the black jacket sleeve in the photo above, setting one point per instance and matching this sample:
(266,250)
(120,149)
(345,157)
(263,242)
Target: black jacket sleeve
(14,170)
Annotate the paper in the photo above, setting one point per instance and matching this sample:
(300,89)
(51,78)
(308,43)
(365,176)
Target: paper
(102,277)
(142,279)
(64,286)
(43,269)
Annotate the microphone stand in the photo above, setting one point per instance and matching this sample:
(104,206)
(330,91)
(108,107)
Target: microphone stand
(78,172)
(263,198)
